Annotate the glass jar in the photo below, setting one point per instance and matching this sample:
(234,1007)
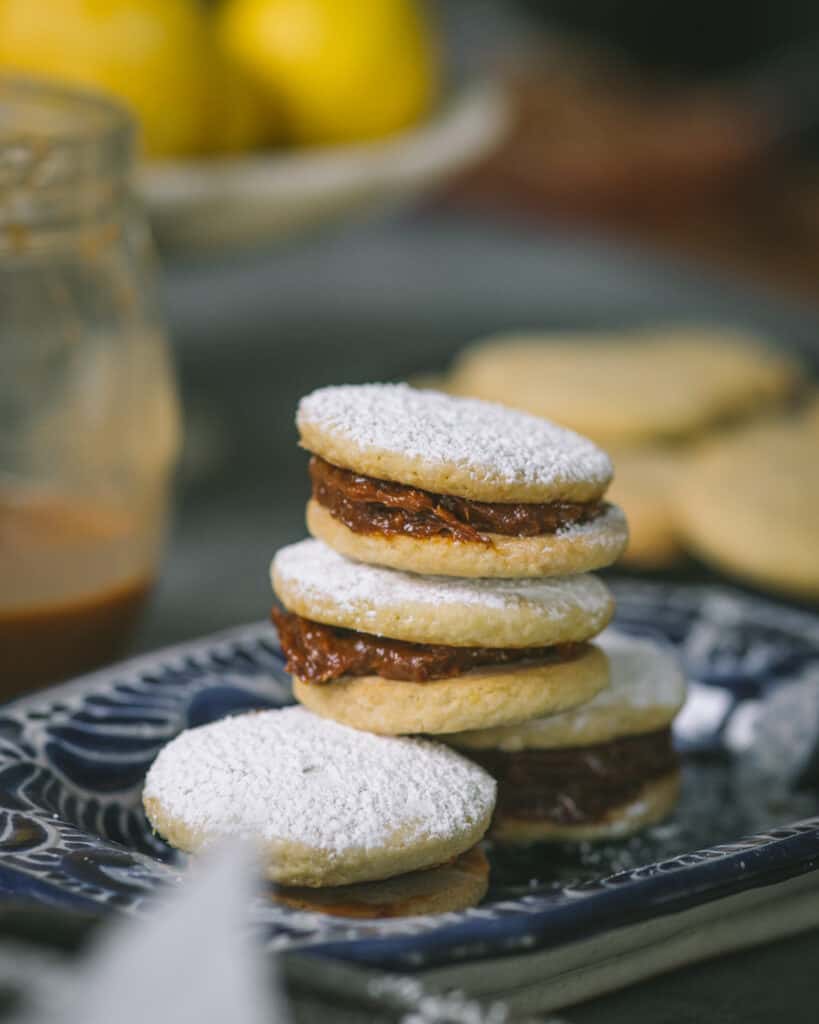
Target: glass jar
(89,428)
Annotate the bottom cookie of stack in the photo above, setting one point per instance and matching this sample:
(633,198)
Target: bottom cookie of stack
(344,822)
(455,886)
(600,771)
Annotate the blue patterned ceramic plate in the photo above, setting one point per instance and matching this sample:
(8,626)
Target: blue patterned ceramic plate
(72,761)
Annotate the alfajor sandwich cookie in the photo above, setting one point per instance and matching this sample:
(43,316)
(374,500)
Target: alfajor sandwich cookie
(393,652)
(430,483)
(601,771)
(331,811)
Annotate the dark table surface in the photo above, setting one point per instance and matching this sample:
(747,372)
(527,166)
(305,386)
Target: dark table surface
(254,332)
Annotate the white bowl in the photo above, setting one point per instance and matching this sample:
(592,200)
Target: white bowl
(236,201)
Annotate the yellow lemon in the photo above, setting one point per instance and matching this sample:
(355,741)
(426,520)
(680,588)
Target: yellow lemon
(340,70)
(152,54)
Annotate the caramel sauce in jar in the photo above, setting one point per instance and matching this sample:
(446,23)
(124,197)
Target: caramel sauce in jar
(90,418)
(74,576)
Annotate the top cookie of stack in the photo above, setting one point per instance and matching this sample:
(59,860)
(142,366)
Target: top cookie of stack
(429,483)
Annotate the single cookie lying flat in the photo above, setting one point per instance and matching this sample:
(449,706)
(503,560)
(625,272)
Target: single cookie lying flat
(325,805)
(623,389)
(429,483)
(748,503)
(455,886)
(602,770)
(393,652)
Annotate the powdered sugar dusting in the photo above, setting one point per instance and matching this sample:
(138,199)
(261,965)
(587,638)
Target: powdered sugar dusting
(490,441)
(319,571)
(289,775)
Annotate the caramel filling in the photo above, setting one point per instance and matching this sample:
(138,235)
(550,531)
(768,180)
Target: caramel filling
(367,505)
(319,654)
(577,785)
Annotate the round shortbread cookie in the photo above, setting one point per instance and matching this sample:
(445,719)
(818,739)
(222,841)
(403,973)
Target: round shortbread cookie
(631,387)
(643,484)
(324,804)
(577,549)
(480,699)
(655,803)
(748,503)
(448,445)
(317,583)
(646,690)
(442,890)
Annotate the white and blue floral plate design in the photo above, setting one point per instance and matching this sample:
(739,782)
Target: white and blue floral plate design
(73,758)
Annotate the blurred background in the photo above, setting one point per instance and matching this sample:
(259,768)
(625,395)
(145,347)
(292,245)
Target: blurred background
(343,193)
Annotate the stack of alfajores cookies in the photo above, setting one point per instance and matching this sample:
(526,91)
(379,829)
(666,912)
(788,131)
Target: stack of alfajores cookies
(448,593)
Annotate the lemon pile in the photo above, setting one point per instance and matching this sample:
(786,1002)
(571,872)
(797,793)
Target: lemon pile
(218,77)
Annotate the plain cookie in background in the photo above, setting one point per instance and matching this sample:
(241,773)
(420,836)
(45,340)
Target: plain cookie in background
(666,383)
(748,503)
(643,487)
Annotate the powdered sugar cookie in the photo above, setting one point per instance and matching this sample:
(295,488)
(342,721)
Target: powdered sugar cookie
(395,653)
(748,503)
(455,886)
(315,582)
(424,481)
(601,770)
(325,805)
(629,388)
(428,439)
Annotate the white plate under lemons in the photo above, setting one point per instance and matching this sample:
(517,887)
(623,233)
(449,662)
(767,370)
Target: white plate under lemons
(276,194)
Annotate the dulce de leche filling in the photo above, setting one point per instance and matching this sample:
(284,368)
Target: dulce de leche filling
(367,505)
(319,654)
(577,785)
